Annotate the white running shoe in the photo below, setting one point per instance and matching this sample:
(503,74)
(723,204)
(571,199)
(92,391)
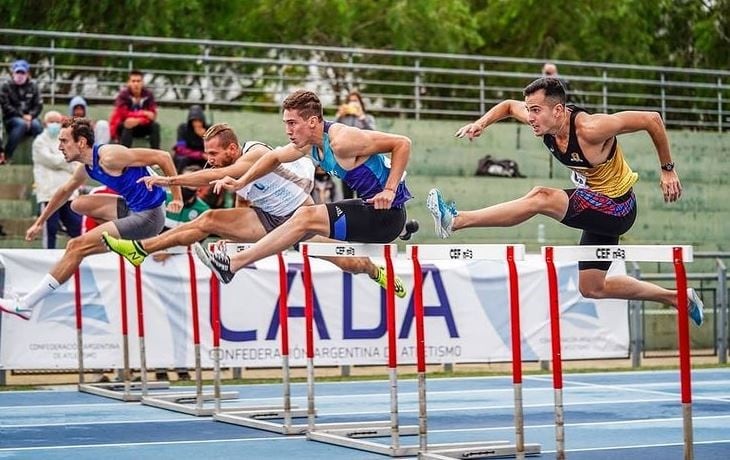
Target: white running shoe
(12,305)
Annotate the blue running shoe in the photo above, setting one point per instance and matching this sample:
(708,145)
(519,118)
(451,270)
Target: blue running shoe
(695,307)
(443,213)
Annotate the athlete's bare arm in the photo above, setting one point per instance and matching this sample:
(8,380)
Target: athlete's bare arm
(509,108)
(353,146)
(63,193)
(114,158)
(268,162)
(597,130)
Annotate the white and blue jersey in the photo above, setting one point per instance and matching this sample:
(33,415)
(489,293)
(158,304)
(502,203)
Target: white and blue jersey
(136,195)
(367,179)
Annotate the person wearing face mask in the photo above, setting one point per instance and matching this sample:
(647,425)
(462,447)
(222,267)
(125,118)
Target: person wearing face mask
(21,104)
(50,172)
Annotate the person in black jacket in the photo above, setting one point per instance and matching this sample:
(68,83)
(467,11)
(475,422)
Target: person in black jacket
(189,148)
(21,105)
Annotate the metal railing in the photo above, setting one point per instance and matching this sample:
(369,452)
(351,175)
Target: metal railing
(713,283)
(259,75)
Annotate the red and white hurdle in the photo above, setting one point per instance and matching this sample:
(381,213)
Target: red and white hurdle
(126,390)
(186,402)
(352,434)
(677,255)
(496,252)
(262,417)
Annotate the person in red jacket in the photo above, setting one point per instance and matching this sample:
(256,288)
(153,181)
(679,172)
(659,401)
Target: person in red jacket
(134,114)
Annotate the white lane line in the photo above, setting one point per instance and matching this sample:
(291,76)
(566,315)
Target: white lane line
(153,443)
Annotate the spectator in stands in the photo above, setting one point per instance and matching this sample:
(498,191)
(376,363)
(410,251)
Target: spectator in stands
(353,113)
(189,148)
(50,172)
(549,69)
(22,106)
(134,114)
(78,108)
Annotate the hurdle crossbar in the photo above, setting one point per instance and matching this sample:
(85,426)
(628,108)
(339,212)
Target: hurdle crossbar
(264,417)
(496,252)
(677,255)
(126,390)
(352,434)
(191,403)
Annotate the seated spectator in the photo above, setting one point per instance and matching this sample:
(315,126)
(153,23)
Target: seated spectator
(51,171)
(353,113)
(21,105)
(189,148)
(134,114)
(78,108)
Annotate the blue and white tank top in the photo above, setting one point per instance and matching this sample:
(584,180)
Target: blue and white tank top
(367,179)
(284,189)
(137,196)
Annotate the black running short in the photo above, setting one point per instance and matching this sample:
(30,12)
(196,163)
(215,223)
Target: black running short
(602,219)
(358,222)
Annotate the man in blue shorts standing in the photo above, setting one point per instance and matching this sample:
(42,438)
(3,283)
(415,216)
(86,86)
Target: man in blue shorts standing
(602,202)
(135,213)
(355,156)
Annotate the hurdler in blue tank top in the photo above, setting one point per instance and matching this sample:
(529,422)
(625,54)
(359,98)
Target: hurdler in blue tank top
(137,196)
(368,179)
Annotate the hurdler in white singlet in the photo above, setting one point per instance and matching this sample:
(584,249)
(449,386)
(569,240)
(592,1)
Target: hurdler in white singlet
(283,190)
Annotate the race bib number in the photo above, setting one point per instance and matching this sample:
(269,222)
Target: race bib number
(578,179)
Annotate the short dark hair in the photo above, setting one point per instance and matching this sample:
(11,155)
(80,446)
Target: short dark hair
(552,86)
(305,102)
(80,127)
(136,72)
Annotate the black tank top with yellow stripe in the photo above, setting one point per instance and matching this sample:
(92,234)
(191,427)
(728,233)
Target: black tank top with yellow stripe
(612,178)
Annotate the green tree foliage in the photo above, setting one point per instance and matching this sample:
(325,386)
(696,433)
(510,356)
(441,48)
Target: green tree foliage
(649,32)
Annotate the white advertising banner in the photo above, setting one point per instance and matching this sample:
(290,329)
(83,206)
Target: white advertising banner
(466,307)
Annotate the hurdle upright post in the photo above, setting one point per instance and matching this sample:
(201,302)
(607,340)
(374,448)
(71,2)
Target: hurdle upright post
(79,325)
(474,252)
(284,325)
(140,329)
(126,373)
(309,334)
(684,358)
(556,353)
(677,255)
(215,312)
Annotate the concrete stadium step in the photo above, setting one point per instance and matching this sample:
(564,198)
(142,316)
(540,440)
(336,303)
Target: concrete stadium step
(14,209)
(16,174)
(14,191)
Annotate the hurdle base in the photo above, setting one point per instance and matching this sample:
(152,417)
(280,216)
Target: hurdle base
(116,390)
(353,435)
(186,403)
(260,418)
(470,450)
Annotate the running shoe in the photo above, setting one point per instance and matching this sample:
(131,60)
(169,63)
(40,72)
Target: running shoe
(13,306)
(129,249)
(695,307)
(382,280)
(219,262)
(443,213)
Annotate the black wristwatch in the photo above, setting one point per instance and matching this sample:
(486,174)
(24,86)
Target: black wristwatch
(668,166)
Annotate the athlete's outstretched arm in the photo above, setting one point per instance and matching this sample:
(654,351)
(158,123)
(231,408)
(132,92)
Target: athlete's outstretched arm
(63,193)
(114,157)
(598,128)
(359,144)
(509,108)
(268,162)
